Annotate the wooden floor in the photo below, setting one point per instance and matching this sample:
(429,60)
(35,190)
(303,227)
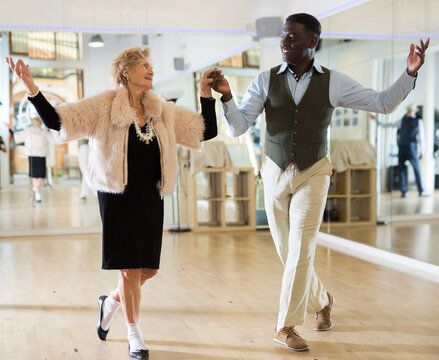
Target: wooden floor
(392,207)
(215,298)
(61,208)
(416,240)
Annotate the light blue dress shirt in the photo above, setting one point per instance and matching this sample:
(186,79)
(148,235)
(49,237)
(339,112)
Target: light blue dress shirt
(343,91)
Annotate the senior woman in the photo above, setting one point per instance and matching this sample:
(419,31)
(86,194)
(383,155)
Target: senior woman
(132,163)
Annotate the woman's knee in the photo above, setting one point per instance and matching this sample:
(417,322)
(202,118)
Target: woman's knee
(131,275)
(148,273)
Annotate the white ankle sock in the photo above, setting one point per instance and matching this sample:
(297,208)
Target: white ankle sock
(135,337)
(110,307)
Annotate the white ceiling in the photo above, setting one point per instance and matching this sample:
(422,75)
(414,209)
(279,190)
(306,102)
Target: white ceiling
(163,14)
(357,18)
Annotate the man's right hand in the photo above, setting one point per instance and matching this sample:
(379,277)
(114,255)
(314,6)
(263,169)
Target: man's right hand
(221,85)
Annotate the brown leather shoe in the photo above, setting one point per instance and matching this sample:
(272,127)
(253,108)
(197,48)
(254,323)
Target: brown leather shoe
(288,337)
(323,318)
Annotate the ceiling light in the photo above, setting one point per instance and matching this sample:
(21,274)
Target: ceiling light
(96,41)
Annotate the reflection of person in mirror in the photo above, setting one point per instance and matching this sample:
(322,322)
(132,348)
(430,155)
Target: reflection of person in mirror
(36,144)
(133,137)
(411,128)
(11,154)
(83,149)
(410,133)
(2,145)
(298,97)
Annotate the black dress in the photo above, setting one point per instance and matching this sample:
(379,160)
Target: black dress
(133,220)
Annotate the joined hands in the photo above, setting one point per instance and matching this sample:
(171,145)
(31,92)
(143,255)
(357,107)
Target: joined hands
(214,79)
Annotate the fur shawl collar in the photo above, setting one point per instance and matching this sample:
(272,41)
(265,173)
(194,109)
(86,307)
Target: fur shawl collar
(121,107)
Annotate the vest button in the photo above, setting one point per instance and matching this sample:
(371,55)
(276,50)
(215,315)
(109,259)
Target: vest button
(295,121)
(294,154)
(294,144)
(297,110)
(295,132)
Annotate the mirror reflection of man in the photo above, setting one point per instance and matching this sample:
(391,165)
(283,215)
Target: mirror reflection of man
(410,129)
(2,145)
(298,97)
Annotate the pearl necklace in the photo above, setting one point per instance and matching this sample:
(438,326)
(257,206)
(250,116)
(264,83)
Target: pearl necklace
(148,135)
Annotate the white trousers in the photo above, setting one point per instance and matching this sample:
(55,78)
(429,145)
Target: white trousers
(294,203)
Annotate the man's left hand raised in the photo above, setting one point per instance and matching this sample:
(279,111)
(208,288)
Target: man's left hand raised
(416,57)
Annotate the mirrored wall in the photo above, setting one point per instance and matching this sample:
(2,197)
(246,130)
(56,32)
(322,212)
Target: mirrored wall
(386,151)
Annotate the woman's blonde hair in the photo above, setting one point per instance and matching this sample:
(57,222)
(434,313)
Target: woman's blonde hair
(127,60)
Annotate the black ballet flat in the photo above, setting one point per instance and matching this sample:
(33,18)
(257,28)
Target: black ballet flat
(101,332)
(140,354)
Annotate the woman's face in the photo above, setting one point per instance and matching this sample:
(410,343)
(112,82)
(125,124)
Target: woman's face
(141,75)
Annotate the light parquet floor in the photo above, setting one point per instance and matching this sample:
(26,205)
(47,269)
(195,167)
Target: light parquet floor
(61,208)
(215,298)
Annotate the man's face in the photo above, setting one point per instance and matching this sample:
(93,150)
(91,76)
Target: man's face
(297,43)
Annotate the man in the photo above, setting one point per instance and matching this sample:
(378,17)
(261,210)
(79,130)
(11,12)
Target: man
(298,97)
(410,127)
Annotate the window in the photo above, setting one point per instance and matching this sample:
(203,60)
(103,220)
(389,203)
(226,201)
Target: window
(41,45)
(19,43)
(67,46)
(45,45)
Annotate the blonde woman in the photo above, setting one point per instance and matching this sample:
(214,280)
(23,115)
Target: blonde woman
(132,163)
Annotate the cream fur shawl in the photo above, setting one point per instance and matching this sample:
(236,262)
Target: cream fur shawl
(105,120)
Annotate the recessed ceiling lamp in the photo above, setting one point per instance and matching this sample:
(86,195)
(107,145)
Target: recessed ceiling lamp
(96,41)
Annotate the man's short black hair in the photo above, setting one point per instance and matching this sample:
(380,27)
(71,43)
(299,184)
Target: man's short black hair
(307,20)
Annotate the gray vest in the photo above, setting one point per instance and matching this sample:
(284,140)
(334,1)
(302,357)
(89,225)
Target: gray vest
(297,133)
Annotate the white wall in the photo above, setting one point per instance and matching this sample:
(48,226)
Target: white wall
(198,51)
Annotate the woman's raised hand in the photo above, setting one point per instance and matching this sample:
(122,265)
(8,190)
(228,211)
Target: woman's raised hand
(23,73)
(206,82)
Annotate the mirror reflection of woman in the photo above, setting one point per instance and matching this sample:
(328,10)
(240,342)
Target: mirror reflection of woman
(132,163)
(36,144)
